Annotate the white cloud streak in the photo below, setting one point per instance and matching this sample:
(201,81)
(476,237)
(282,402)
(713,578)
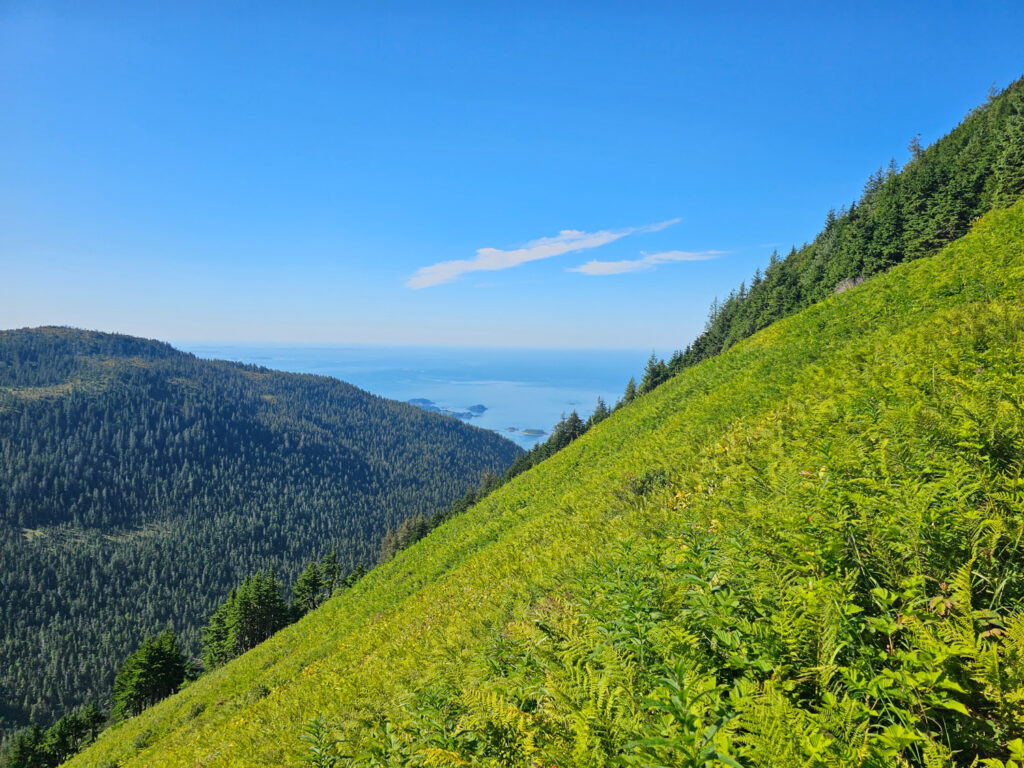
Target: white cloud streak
(648,261)
(490,259)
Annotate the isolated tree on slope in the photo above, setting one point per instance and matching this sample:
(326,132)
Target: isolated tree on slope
(630,394)
(306,592)
(152,673)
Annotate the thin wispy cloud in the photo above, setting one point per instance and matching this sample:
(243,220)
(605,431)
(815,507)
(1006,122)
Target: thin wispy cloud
(491,259)
(648,261)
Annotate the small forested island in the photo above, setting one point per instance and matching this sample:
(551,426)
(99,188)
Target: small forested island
(471,412)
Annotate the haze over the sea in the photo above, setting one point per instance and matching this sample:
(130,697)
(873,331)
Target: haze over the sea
(524,391)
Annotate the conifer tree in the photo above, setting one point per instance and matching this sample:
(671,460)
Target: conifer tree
(330,571)
(215,635)
(655,374)
(630,394)
(1009,168)
(259,611)
(307,589)
(600,413)
(357,573)
(152,673)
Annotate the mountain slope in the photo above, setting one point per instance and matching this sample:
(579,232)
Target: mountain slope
(138,484)
(903,214)
(804,551)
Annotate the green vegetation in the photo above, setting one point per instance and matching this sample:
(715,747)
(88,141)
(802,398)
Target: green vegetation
(805,551)
(150,674)
(139,484)
(414,528)
(35,747)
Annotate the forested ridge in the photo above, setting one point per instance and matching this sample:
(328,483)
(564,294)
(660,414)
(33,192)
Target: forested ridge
(904,214)
(139,484)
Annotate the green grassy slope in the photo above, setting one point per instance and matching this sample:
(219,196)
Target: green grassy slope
(807,551)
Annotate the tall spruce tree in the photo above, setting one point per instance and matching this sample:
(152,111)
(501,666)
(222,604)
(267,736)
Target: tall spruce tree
(655,373)
(630,394)
(1009,169)
(307,590)
(152,673)
(331,571)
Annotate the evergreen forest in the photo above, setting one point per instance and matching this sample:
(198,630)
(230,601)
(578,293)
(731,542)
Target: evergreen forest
(139,485)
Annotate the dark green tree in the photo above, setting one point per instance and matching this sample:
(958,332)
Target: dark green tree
(216,648)
(331,571)
(357,573)
(568,429)
(251,613)
(72,732)
(1009,169)
(307,591)
(655,374)
(630,394)
(258,612)
(600,413)
(150,674)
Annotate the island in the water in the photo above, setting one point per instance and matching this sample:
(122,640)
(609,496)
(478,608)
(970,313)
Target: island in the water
(471,412)
(526,432)
(429,405)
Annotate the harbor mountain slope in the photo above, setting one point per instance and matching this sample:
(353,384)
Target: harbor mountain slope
(804,551)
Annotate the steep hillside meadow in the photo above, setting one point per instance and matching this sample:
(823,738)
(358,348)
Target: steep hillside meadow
(805,551)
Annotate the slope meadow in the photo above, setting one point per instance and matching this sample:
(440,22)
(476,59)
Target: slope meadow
(805,551)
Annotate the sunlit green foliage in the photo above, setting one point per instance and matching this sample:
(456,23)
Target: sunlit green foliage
(804,552)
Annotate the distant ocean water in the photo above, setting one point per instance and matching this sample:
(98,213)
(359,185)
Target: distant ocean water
(523,390)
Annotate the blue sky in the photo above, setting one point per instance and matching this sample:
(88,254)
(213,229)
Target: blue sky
(525,174)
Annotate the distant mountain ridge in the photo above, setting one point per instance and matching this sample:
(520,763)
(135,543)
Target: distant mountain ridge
(139,483)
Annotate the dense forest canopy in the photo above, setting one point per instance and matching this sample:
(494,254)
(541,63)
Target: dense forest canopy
(139,484)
